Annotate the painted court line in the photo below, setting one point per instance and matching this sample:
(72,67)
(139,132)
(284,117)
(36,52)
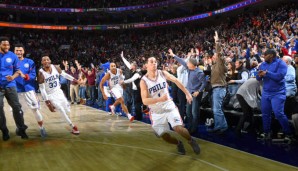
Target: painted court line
(141,148)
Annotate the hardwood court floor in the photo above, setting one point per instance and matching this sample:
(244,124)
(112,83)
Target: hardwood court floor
(112,143)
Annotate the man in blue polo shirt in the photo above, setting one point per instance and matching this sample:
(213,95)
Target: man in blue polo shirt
(8,72)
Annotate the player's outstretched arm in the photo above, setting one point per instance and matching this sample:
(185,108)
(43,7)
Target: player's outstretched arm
(65,75)
(173,79)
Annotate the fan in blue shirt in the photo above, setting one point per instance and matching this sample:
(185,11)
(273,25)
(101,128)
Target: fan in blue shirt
(26,85)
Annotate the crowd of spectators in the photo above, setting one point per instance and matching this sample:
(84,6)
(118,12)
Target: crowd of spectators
(244,39)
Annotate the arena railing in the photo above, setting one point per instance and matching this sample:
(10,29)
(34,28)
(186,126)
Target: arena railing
(80,10)
(133,25)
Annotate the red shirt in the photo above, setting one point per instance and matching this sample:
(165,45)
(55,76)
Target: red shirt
(91,77)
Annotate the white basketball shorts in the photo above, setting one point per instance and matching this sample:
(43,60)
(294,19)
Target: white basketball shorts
(117,92)
(31,99)
(59,101)
(159,122)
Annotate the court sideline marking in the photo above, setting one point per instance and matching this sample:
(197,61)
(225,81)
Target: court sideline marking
(141,148)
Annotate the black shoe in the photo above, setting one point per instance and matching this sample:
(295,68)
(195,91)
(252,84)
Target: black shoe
(5,135)
(78,103)
(180,148)
(195,146)
(72,103)
(265,137)
(22,134)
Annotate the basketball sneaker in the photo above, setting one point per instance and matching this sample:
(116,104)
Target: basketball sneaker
(112,109)
(180,148)
(131,118)
(195,146)
(75,130)
(43,132)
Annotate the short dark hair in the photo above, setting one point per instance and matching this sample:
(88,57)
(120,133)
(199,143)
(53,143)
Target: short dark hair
(19,45)
(3,38)
(45,54)
(270,51)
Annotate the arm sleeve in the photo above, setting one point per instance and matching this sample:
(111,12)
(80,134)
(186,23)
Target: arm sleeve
(126,62)
(202,79)
(43,92)
(133,78)
(280,74)
(84,72)
(181,61)
(67,76)
(290,75)
(32,73)
(244,76)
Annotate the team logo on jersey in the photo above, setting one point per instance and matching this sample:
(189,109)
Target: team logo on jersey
(26,65)
(177,120)
(8,60)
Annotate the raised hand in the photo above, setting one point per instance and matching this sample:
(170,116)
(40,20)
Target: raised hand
(216,39)
(171,52)
(122,56)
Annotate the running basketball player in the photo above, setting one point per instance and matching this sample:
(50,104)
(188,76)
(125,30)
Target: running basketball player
(155,94)
(48,79)
(26,85)
(115,76)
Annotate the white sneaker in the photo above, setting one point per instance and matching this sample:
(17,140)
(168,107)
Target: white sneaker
(112,109)
(131,118)
(43,132)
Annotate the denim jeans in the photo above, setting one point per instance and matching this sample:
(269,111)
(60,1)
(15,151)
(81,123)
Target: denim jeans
(233,89)
(91,89)
(193,112)
(82,92)
(218,95)
(13,100)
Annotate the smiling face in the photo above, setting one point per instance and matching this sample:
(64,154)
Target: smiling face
(46,62)
(4,46)
(19,51)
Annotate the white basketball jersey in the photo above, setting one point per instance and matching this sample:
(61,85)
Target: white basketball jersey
(115,79)
(51,80)
(157,88)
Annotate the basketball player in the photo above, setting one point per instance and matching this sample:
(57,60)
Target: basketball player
(48,79)
(115,76)
(155,94)
(26,85)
